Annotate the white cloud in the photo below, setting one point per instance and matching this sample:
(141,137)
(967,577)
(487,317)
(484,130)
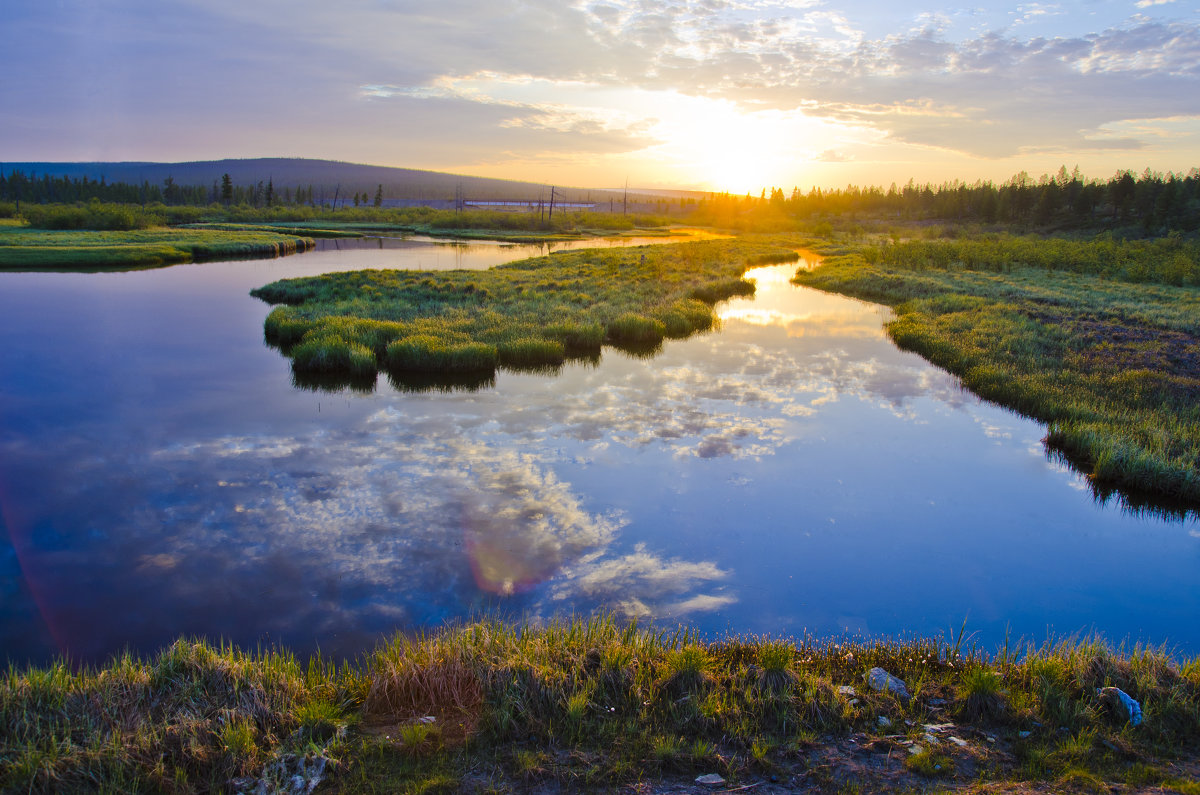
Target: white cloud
(391,78)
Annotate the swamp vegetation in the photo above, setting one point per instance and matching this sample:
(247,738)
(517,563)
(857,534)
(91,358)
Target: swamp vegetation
(592,704)
(24,248)
(1100,339)
(532,313)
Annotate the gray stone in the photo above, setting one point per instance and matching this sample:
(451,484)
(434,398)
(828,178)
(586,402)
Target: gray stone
(880,680)
(710,780)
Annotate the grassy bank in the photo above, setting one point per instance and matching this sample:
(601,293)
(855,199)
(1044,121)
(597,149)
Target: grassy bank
(532,313)
(494,708)
(23,248)
(1094,338)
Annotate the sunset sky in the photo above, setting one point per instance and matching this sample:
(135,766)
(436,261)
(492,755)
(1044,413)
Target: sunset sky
(713,95)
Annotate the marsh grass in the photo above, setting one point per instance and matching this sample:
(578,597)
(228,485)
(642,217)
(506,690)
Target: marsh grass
(1111,367)
(190,718)
(573,701)
(22,248)
(531,314)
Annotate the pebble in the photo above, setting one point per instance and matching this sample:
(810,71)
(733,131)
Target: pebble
(884,722)
(915,749)
(960,742)
(710,780)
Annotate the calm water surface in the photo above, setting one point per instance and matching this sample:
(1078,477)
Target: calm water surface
(161,475)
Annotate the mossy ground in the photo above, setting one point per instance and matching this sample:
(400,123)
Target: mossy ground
(1098,339)
(532,313)
(23,248)
(591,704)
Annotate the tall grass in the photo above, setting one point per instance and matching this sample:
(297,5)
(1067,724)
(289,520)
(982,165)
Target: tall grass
(529,314)
(612,703)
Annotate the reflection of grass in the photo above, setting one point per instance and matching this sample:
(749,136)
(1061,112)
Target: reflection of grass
(29,249)
(528,314)
(585,701)
(1112,367)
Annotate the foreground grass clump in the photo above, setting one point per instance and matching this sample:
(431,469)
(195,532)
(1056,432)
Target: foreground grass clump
(528,314)
(593,703)
(22,248)
(191,719)
(1112,367)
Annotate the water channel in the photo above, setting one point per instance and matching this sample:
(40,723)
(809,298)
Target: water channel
(161,475)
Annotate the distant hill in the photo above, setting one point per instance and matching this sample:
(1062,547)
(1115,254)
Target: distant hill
(401,185)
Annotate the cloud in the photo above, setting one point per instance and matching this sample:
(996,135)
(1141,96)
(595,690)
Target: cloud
(383,73)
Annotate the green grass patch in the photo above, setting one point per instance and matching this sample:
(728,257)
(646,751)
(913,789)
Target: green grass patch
(529,314)
(427,353)
(23,248)
(1110,365)
(579,703)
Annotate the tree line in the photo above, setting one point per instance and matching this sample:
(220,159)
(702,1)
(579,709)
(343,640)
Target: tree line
(16,186)
(1152,200)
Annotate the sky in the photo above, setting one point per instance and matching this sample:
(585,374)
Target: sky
(730,95)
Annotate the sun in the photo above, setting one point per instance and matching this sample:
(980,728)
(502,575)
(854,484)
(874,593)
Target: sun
(723,147)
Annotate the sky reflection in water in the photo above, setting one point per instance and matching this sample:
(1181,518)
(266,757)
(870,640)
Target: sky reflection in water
(793,472)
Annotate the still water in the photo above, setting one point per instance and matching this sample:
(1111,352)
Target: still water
(161,475)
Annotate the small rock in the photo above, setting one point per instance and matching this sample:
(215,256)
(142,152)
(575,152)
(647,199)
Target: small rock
(710,780)
(990,738)
(427,719)
(937,703)
(929,738)
(881,680)
(1024,734)
(884,722)
(853,702)
(846,690)
(915,749)
(960,742)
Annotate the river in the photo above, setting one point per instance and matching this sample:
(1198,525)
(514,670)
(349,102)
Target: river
(161,475)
